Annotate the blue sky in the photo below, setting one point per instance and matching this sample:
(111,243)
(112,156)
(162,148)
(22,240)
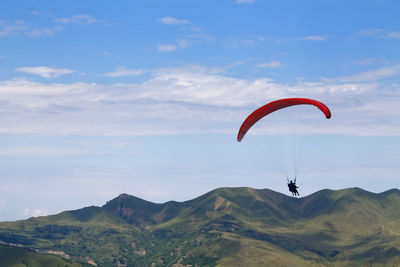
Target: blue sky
(145,97)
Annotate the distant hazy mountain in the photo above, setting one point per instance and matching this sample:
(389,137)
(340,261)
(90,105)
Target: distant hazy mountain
(225,227)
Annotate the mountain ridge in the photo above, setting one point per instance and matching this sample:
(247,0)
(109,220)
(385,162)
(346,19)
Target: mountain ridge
(220,227)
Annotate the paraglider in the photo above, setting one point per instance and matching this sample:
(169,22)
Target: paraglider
(293,187)
(273,106)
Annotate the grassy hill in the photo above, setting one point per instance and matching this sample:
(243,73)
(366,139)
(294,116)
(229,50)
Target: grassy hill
(225,227)
(20,257)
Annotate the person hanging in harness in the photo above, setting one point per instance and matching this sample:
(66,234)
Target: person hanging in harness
(293,187)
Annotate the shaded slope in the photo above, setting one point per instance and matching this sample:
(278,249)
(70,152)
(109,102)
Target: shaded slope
(13,257)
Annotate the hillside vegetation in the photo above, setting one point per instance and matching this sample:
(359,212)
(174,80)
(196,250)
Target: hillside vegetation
(20,257)
(225,227)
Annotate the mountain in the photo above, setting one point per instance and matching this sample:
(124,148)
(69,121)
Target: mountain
(225,227)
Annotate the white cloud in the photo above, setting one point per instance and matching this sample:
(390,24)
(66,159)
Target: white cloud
(77,19)
(33,12)
(44,71)
(166,47)
(191,99)
(22,27)
(19,87)
(378,33)
(370,32)
(193,35)
(33,30)
(185,42)
(123,71)
(33,213)
(35,151)
(246,41)
(173,21)
(44,31)
(11,28)
(253,40)
(182,43)
(394,35)
(313,38)
(270,64)
(244,1)
(370,61)
(373,75)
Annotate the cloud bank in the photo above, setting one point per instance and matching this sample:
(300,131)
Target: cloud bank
(191,99)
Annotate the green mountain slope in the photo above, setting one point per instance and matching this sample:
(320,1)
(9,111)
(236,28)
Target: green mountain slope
(225,227)
(20,257)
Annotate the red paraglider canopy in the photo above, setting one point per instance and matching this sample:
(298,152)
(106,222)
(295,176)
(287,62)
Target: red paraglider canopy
(276,105)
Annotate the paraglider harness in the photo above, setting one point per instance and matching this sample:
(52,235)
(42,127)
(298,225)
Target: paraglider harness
(293,187)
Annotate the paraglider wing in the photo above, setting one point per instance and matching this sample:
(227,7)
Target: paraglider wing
(276,105)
